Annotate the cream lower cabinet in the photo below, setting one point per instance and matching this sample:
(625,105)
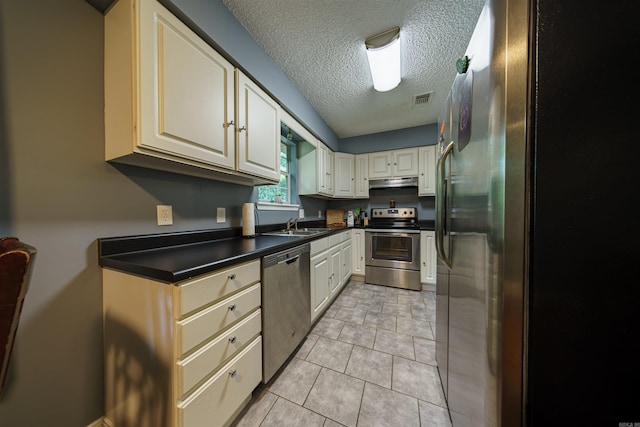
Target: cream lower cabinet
(357,250)
(428,260)
(330,270)
(320,268)
(427,170)
(346,249)
(170,104)
(186,354)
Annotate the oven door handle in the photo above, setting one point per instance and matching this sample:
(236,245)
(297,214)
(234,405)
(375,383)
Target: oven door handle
(441,204)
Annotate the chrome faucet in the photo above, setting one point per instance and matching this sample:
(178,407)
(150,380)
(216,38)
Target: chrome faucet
(292,221)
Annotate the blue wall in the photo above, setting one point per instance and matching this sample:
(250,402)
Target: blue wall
(215,23)
(403,138)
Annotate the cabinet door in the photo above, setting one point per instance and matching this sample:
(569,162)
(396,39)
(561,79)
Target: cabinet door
(357,249)
(362,176)
(319,284)
(426,169)
(405,162)
(428,257)
(335,274)
(323,169)
(257,130)
(380,164)
(186,91)
(344,175)
(346,258)
(330,167)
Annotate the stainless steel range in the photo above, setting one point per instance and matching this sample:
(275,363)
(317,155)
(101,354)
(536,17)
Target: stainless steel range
(392,248)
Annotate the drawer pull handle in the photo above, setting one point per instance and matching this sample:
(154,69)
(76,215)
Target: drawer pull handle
(232,339)
(232,307)
(232,373)
(232,276)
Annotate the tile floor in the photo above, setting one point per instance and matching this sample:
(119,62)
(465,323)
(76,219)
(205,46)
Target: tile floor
(368,361)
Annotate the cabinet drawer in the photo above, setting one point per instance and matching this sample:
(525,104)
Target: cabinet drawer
(335,239)
(197,328)
(198,365)
(319,245)
(217,399)
(199,292)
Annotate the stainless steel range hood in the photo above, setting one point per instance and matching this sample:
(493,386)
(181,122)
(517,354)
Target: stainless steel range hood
(393,182)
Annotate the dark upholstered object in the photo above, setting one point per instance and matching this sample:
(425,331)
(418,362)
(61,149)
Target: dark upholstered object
(16,262)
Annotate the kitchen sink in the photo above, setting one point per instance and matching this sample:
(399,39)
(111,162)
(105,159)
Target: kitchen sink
(296,232)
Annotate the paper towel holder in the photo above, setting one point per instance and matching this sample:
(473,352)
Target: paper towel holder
(248,220)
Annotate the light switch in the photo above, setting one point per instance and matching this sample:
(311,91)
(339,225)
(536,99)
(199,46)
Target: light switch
(221,215)
(301,213)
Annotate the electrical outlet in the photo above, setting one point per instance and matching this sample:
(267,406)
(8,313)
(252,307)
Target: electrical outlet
(165,215)
(301,213)
(319,214)
(221,215)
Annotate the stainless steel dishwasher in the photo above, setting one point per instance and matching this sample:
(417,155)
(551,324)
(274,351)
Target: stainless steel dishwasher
(286,306)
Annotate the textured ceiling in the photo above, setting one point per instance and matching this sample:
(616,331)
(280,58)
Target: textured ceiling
(319,45)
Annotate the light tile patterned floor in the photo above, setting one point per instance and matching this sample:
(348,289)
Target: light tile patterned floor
(369,361)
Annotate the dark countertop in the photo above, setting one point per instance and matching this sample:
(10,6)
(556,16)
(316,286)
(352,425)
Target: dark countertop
(174,257)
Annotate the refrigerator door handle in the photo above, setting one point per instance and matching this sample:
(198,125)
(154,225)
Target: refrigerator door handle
(441,204)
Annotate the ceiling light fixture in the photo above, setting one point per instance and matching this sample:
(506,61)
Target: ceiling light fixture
(383,52)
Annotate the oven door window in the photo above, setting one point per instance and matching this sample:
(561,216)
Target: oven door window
(392,248)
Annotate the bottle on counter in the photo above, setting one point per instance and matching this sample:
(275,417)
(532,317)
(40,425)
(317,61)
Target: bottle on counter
(366,220)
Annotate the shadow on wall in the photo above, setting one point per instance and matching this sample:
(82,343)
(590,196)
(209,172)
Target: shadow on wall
(137,395)
(194,200)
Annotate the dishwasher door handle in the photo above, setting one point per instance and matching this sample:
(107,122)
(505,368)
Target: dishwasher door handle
(292,260)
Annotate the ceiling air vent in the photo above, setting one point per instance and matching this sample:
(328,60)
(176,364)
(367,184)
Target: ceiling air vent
(422,99)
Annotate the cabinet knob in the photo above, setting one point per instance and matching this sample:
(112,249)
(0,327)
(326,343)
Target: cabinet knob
(242,128)
(232,307)
(232,339)
(231,123)
(232,276)
(232,373)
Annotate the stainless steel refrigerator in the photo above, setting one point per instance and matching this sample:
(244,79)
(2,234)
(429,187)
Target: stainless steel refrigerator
(537,306)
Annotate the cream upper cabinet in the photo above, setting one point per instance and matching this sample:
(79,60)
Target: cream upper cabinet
(361,175)
(393,164)
(257,129)
(344,182)
(329,168)
(427,170)
(169,100)
(315,168)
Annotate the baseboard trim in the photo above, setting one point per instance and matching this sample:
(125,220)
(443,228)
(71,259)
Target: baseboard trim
(101,422)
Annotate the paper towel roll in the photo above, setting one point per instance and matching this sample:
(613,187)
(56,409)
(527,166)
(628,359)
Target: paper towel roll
(248,220)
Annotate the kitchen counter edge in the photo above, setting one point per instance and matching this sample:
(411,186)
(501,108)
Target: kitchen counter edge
(175,257)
